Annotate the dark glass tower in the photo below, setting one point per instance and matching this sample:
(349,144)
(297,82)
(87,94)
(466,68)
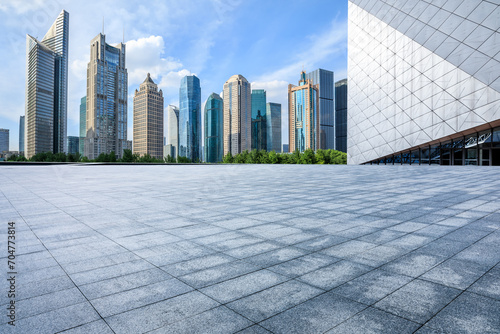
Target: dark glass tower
(259,137)
(190,118)
(341,115)
(214,127)
(324,79)
(47,89)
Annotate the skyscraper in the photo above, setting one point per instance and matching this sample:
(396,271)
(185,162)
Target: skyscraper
(214,126)
(148,119)
(326,108)
(303,103)
(4,140)
(47,89)
(107,81)
(21,135)
(73,144)
(83,124)
(237,115)
(173,130)
(273,117)
(190,118)
(424,82)
(259,124)
(341,115)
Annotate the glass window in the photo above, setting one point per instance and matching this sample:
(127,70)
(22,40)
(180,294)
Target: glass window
(446,153)
(389,160)
(470,157)
(458,145)
(435,154)
(415,157)
(406,158)
(495,138)
(484,139)
(397,159)
(484,157)
(424,156)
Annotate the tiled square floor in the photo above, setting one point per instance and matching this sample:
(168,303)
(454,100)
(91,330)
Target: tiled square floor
(252,248)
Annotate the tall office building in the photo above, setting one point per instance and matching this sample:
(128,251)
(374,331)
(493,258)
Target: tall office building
(73,144)
(326,108)
(190,118)
(47,89)
(303,116)
(214,126)
(273,118)
(259,124)
(424,82)
(4,140)
(148,119)
(83,124)
(341,115)
(237,115)
(173,130)
(21,135)
(107,81)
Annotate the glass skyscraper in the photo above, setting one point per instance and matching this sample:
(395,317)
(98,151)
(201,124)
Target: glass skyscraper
(173,130)
(214,126)
(73,144)
(273,117)
(237,115)
(341,115)
(47,89)
(190,118)
(21,134)
(259,125)
(326,108)
(83,124)
(107,82)
(4,140)
(303,103)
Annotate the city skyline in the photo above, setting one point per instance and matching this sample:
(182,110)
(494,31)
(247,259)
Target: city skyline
(168,52)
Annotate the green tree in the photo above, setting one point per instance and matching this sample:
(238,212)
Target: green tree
(128,156)
(307,157)
(228,158)
(184,160)
(273,157)
(322,157)
(170,159)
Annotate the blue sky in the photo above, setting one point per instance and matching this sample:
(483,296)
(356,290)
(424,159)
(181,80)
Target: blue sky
(267,41)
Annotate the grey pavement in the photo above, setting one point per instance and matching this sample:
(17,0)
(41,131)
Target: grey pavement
(252,249)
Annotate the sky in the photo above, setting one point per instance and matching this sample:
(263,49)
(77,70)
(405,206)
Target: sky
(269,42)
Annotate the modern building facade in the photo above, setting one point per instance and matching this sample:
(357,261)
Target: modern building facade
(148,119)
(341,115)
(237,115)
(173,129)
(273,117)
(259,122)
(73,144)
(424,82)
(107,82)
(4,140)
(285,148)
(190,118)
(326,107)
(83,124)
(214,126)
(303,123)
(47,89)
(21,135)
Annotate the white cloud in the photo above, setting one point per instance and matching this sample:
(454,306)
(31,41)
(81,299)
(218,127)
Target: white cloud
(145,55)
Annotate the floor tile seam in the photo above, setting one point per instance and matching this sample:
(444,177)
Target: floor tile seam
(317,296)
(44,294)
(126,290)
(368,307)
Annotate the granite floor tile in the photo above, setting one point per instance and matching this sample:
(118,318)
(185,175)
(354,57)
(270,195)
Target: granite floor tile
(317,315)
(334,275)
(418,301)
